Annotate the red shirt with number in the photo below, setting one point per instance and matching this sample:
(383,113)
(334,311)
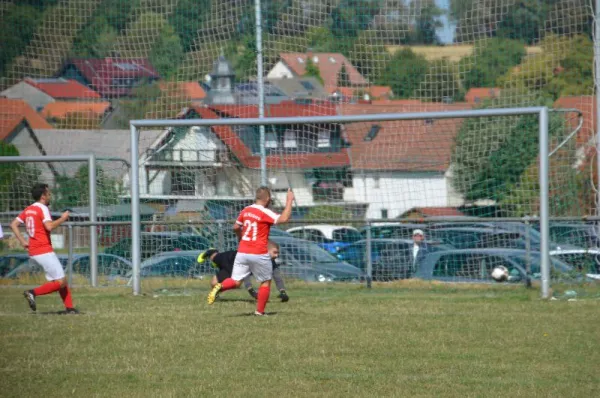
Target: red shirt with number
(34,218)
(256,221)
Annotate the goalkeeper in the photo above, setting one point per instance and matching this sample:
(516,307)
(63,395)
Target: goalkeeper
(223,262)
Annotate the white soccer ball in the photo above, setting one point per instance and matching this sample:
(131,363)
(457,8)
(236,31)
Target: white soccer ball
(500,273)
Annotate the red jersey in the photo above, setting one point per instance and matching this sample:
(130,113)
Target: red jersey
(34,218)
(256,222)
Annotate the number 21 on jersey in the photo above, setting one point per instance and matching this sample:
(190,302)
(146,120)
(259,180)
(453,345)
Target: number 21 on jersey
(30,225)
(250,230)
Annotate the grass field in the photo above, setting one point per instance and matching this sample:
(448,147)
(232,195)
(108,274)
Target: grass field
(409,340)
(454,52)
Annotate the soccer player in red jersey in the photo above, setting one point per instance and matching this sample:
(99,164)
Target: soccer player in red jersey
(252,229)
(38,224)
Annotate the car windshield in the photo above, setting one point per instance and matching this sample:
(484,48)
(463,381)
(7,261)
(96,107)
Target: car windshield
(306,253)
(346,235)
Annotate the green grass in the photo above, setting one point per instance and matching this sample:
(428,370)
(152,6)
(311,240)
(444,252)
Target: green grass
(407,339)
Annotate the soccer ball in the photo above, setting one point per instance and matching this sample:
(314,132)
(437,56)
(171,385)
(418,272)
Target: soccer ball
(500,273)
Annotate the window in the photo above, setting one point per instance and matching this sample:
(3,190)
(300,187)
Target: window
(289,139)
(300,60)
(307,85)
(183,182)
(271,140)
(384,213)
(372,133)
(332,60)
(376,182)
(346,235)
(323,139)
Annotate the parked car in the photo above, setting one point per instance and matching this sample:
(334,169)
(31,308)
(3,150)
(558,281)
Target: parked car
(473,237)
(583,235)
(476,265)
(392,230)
(307,261)
(583,260)
(157,242)
(330,237)
(10,261)
(182,264)
(108,265)
(390,258)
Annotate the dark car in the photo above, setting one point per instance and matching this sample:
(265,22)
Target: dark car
(476,265)
(390,258)
(9,262)
(181,264)
(478,238)
(392,230)
(583,235)
(156,242)
(330,237)
(307,261)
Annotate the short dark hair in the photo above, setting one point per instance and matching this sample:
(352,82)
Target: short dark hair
(38,190)
(272,244)
(263,193)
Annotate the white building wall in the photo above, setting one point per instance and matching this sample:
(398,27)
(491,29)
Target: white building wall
(280,71)
(35,98)
(397,192)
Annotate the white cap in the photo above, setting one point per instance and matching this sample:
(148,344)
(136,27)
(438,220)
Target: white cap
(418,232)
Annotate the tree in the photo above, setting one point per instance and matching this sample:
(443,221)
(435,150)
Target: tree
(167,52)
(96,40)
(312,70)
(16,180)
(137,107)
(297,16)
(242,55)
(426,25)
(491,59)
(187,18)
(368,54)
(441,82)
(575,75)
(352,16)
(524,21)
(74,191)
(393,22)
(491,154)
(404,73)
(18,26)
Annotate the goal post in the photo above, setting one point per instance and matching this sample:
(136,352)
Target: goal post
(543,177)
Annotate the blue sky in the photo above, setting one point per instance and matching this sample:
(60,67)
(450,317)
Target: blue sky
(446,33)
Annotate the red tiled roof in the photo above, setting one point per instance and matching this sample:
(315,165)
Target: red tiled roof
(587,105)
(480,93)
(190,90)
(375,92)
(13,112)
(328,70)
(436,211)
(411,145)
(101,72)
(244,154)
(283,109)
(62,88)
(61,109)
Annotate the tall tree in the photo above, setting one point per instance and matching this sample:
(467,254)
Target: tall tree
(404,73)
(16,180)
(441,82)
(352,16)
(343,79)
(187,19)
(312,70)
(74,191)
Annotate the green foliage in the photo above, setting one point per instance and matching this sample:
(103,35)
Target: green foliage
(404,73)
(312,70)
(491,59)
(524,21)
(74,191)
(441,82)
(328,212)
(96,40)
(491,154)
(139,106)
(242,56)
(18,23)
(367,53)
(16,179)
(577,75)
(187,19)
(426,24)
(167,53)
(352,16)
(343,80)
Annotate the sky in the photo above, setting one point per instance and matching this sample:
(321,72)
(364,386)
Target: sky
(446,33)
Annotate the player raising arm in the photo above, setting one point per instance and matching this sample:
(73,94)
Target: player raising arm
(39,224)
(252,228)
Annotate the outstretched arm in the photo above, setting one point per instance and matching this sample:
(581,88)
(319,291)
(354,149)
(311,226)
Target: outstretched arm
(287,211)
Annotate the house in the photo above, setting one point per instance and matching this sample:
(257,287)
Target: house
(17,122)
(587,104)
(365,94)
(426,212)
(399,165)
(91,112)
(40,92)
(293,65)
(477,95)
(191,91)
(300,88)
(110,77)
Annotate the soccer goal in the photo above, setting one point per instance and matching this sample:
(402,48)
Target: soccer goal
(378,177)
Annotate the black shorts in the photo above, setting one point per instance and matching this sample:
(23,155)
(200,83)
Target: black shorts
(224,263)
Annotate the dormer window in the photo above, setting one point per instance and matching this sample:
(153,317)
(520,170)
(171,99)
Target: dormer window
(332,60)
(315,59)
(300,60)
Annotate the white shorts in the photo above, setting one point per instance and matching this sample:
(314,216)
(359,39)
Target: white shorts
(259,265)
(49,262)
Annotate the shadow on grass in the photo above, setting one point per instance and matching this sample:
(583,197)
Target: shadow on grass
(251,314)
(63,312)
(235,300)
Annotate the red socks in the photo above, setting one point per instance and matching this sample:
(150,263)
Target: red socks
(263,297)
(53,286)
(65,295)
(228,284)
(47,288)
